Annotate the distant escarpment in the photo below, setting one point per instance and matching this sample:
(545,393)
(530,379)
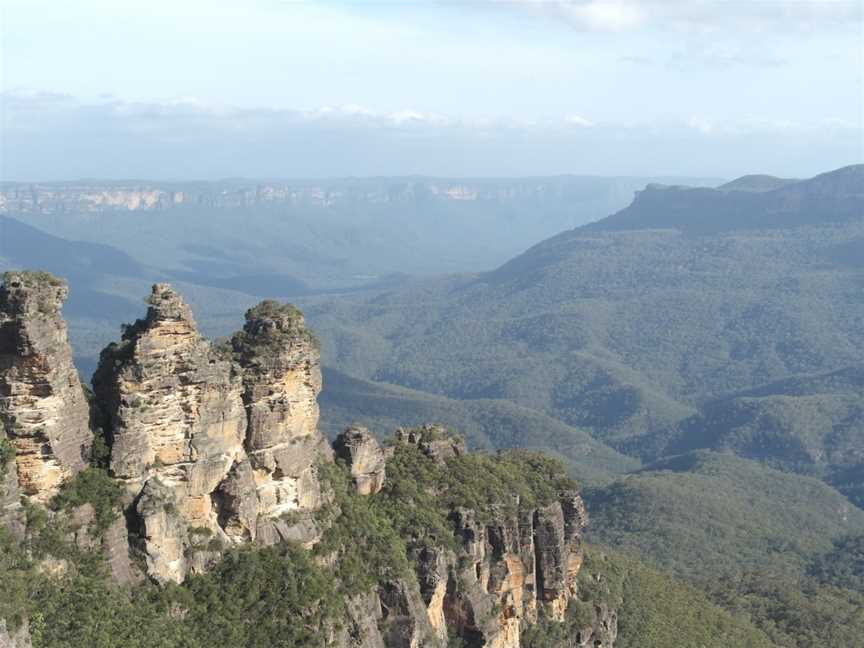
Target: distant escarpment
(116,196)
(195,464)
(751,202)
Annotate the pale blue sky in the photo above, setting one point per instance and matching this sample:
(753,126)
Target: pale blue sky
(195,88)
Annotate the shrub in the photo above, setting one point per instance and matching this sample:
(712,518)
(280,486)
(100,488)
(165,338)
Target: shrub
(95,487)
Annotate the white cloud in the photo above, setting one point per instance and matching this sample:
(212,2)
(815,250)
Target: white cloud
(56,137)
(577,120)
(758,15)
(30,110)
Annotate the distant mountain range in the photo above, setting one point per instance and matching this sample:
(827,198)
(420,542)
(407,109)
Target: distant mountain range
(289,237)
(96,196)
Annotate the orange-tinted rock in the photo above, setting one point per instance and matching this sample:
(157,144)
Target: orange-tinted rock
(43,409)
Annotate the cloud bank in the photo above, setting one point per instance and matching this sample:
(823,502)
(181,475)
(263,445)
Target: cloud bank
(50,136)
(711,15)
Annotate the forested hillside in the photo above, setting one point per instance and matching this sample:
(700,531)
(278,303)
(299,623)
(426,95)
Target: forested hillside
(626,333)
(715,335)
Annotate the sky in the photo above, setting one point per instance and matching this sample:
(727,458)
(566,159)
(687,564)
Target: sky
(206,89)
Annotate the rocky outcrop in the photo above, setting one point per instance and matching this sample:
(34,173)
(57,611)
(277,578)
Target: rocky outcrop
(220,446)
(174,407)
(43,410)
(176,425)
(433,440)
(214,447)
(280,365)
(362,453)
(15,637)
(523,559)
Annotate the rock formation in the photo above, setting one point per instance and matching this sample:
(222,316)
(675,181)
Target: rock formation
(521,560)
(362,453)
(220,446)
(18,637)
(280,365)
(175,423)
(507,567)
(433,440)
(213,452)
(43,410)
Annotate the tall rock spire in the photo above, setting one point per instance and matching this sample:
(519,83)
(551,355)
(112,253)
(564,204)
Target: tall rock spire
(43,410)
(281,369)
(214,447)
(176,425)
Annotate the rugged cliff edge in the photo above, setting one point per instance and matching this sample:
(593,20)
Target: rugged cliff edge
(43,410)
(207,455)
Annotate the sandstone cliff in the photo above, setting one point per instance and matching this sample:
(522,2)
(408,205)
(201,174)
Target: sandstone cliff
(175,424)
(210,449)
(96,197)
(280,364)
(499,565)
(43,410)
(212,453)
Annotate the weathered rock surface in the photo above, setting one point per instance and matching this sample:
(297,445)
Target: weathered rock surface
(510,564)
(433,440)
(522,559)
(176,425)
(43,409)
(18,637)
(174,406)
(280,365)
(363,455)
(214,447)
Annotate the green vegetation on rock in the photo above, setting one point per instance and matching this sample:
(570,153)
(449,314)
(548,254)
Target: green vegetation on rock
(95,487)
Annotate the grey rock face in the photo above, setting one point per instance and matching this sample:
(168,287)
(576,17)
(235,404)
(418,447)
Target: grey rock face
(43,409)
(363,454)
(281,371)
(18,637)
(434,441)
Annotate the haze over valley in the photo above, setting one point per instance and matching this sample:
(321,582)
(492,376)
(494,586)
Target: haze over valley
(432,325)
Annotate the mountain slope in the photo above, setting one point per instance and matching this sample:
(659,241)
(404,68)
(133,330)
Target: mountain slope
(489,424)
(86,264)
(811,424)
(749,536)
(747,203)
(625,331)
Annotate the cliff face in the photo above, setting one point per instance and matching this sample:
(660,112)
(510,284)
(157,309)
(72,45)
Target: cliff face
(176,425)
(212,453)
(53,198)
(218,447)
(511,563)
(43,410)
(281,370)
(365,458)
